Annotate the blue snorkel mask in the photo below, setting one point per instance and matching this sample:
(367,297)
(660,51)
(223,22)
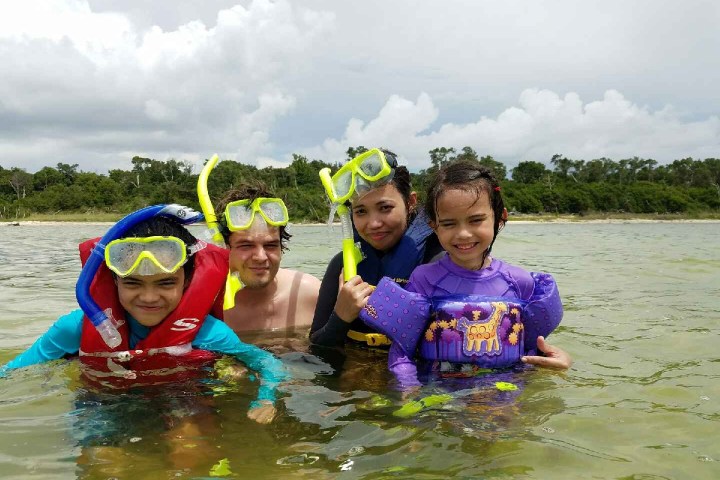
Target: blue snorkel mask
(103,320)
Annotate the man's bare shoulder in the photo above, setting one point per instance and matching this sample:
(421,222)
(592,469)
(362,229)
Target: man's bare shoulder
(289,278)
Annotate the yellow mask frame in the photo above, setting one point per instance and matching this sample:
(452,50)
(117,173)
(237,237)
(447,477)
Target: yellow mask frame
(239,209)
(165,254)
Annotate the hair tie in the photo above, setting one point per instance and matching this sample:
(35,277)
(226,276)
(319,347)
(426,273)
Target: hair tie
(497,189)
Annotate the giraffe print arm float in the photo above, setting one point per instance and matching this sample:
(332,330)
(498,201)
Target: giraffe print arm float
(489,331)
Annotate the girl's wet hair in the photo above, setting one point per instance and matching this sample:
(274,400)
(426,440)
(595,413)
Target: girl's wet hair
(166,227)
(246,191)
(470,177)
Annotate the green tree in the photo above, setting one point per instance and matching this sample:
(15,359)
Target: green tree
(497,168)
(529,172)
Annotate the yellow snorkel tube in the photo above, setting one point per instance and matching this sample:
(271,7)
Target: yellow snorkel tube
(352,255)
(233,284)
(205,203)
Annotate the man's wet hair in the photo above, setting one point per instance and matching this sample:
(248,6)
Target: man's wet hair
(246,191)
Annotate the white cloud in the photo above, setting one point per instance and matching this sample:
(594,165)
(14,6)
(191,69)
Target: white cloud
(191,90)
(95,82)
(541,125)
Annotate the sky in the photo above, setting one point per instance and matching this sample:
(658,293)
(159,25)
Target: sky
(97,82)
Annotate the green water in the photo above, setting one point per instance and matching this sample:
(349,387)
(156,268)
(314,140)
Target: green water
(641,402)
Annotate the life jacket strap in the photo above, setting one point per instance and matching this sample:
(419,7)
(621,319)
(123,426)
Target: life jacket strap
(372,339)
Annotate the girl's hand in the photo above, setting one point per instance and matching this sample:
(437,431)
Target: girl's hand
(352,297)
(554,357)
(265,413)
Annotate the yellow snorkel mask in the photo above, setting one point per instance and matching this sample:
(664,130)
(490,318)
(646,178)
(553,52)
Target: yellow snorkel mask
(364,172)
(148,255)
(239,215)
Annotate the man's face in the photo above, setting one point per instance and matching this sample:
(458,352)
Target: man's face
(255,254)
(149,299)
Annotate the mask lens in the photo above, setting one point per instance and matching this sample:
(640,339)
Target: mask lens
(343,183)
(239,216)
(274,212)
(372,166)
(122,256)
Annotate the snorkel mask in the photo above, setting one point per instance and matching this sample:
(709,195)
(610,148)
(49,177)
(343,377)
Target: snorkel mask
(148,255)
(240,215)
(368,170)
(103,320)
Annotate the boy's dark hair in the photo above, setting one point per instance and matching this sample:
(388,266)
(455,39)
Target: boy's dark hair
(166,227)
(246,191)
(471,177)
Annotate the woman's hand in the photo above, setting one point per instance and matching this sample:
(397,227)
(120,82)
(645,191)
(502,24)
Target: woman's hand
(554,357)
(265,413)
(352,297)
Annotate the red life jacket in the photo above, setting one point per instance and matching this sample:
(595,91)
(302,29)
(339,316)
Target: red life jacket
(166,354)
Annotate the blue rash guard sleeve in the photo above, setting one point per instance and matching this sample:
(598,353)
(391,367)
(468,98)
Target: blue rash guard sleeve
(216,336)
(62,338)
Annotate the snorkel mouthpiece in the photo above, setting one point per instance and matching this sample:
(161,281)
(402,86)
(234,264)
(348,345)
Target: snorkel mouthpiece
(103,320)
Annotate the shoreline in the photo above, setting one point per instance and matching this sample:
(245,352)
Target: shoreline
(518,221)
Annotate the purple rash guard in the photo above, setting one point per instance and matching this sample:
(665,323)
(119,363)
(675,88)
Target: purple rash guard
(444,277)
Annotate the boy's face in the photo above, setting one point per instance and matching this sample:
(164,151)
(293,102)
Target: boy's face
(149,299)
(255,254)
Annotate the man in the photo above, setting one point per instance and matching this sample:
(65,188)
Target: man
(266,297)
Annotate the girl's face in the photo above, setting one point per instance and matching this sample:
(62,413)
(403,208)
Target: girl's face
(465,226)
(380,216)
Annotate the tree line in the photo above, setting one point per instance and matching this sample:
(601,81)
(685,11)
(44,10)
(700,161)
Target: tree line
(565,186)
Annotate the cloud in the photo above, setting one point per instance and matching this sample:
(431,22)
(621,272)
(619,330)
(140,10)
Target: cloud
(96,82)
(541,125)
(93,81)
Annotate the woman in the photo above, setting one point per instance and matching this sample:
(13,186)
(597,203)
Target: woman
(394,239)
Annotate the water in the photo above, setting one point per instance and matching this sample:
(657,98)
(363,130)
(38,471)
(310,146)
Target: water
(641,323)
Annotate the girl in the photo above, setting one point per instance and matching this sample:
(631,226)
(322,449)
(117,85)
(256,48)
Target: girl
(484,311)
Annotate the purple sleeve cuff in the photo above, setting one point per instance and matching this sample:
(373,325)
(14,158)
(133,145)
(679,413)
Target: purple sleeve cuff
(403,368)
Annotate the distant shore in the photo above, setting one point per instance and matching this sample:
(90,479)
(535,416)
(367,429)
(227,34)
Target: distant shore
(517,219)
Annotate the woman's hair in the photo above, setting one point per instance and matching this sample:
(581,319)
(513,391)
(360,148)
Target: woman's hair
(401,179)
(471,177)
(165,227)
(246,191)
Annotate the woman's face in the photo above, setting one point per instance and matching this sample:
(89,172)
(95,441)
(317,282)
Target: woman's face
(380,216)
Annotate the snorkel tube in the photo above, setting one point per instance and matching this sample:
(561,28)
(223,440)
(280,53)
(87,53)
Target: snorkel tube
(205,203)
(233,284)
(352,255)
(103,320)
